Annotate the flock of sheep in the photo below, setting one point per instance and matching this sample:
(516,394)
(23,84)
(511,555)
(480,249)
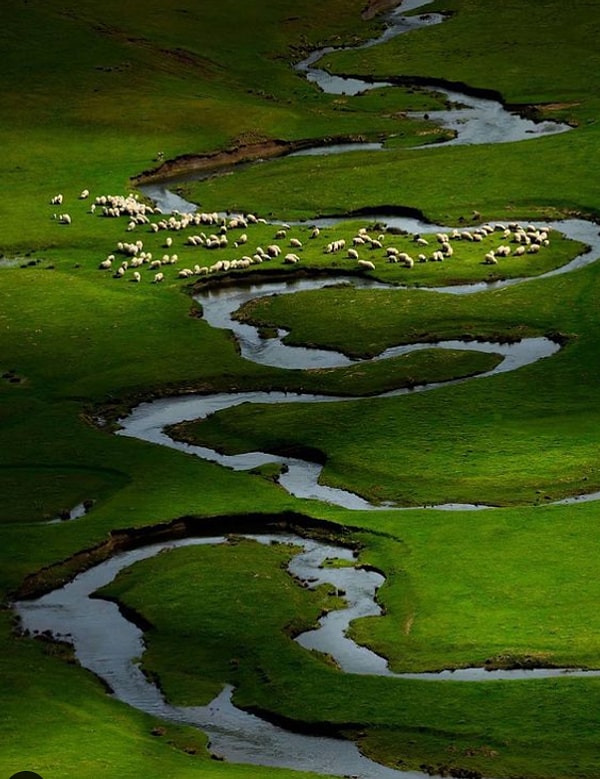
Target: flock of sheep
(202,232)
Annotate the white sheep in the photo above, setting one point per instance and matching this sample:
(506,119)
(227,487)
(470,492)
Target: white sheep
(85,193)
(353,254)
(366,265)
(137,276)
(295,243)
(291,259)
(158,277)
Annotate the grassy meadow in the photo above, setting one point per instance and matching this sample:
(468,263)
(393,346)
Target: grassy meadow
(92,96)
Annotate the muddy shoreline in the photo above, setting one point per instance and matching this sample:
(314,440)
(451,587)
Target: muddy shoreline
(235,155)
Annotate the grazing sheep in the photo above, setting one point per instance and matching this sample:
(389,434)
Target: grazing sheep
(315,232)
(409,262)
(57,200)
(335,246)
(137,276)
(366,265)
(353,254)
(295,243)
(65,219)
(519,251)
(291,259)
(158,277)
(85,193)
(280,234)
(490,259)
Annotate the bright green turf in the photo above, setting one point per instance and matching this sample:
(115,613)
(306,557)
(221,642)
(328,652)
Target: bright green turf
(90,94)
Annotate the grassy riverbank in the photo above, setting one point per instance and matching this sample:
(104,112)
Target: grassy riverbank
(94,95)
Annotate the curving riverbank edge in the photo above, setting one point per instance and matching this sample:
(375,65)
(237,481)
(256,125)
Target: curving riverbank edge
(212,162)
(57,574)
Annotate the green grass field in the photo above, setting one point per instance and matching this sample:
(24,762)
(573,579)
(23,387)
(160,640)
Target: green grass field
(94,95)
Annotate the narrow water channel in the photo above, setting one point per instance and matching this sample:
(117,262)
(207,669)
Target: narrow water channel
(110,646)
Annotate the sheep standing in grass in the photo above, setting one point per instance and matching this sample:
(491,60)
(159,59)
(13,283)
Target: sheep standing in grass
(353,254)
(158,277)
(366,265)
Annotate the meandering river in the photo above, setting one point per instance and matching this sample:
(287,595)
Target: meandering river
(108,644)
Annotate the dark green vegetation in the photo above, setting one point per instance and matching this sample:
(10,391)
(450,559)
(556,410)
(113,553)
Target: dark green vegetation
(90,94)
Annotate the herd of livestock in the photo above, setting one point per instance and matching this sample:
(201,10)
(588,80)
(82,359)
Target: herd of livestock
(201,237)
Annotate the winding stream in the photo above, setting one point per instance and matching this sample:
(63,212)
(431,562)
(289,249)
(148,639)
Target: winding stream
(472,120)
(106,643)
(301,477)
(109,645)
